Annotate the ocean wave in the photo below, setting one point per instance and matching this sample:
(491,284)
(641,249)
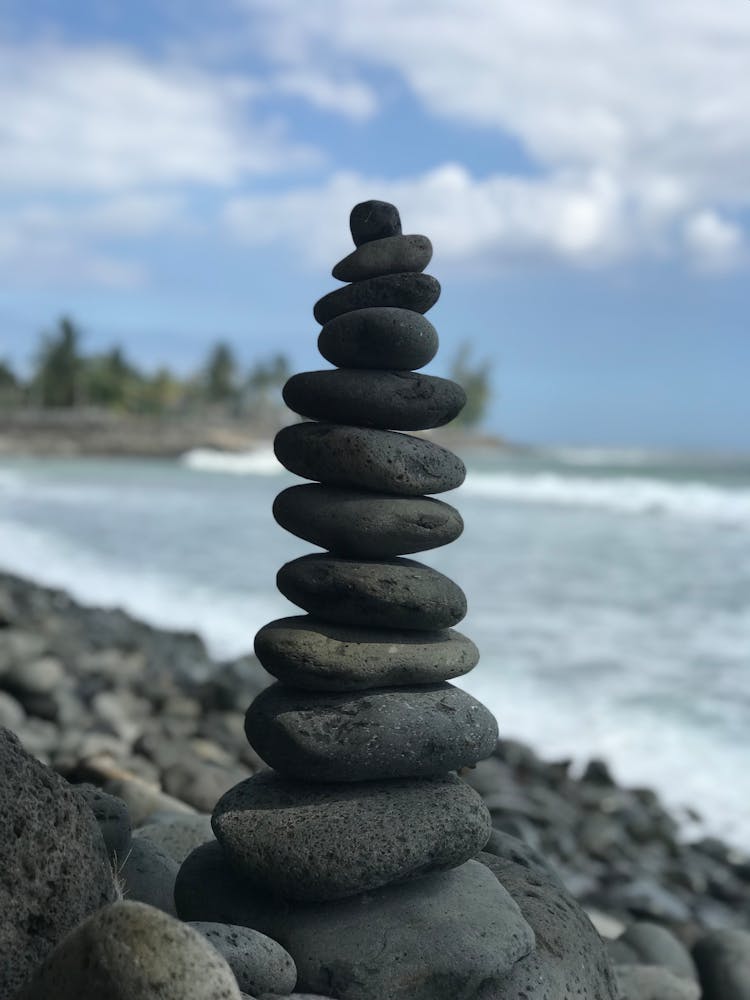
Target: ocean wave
(259,462)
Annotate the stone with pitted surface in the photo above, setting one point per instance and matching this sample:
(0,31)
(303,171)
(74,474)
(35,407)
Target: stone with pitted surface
(407,290)
(382,337)
(390,255)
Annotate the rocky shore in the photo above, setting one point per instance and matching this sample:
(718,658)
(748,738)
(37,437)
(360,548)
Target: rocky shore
(147,715)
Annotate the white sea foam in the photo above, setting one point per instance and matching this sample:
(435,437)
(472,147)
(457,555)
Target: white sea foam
(259,462)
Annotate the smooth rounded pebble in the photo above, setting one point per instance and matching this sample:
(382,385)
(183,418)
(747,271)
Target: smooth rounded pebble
(178,835)
(130,951)
(364,458)
(374,220)
(385,593)
(148,875)
(723,960)
(113,818)
(390,255)
(259,963)
(425,939)
(408,290)
(402,401)
(308,653)
(655,945)
(381,337)
(322,842)
(402,732)
(652,982)
(372,526)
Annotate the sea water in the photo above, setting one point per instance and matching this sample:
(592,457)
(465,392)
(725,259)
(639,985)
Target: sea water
(609,593)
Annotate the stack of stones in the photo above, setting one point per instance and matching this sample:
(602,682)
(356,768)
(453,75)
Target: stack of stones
(361,829)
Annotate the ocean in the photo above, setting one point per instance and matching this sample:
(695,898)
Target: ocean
(609,592)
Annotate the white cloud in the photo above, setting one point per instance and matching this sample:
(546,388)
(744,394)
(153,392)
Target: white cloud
(716,244)
(350,98)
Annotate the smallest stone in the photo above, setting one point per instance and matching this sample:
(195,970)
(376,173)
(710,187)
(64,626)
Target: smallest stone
(374,220)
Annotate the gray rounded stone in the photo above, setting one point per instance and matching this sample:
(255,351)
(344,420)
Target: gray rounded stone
(374,220)
(308,653)
(323,842)
(130,951)
(385,593)
(655,945)
(178,835)
(259,963)
(380,337)
(368,525)
(148,875)
(723,960)
(402,401)
(408,290)
(652,982)
(113,818)
(433,938)
(364,458)
(402,732)
(390,255)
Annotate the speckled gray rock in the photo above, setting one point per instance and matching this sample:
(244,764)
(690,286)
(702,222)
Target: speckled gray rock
(401,732)
(374,220)
(130,951)
(407,290)
(511,849)
(390,255)
(260,964)
(148,875)
(178,835)
(723,960)
(426,939)
(54,864)
(655,945)
(365,458)
(308,653)
(385,593)
(372,526)
(651,982)
(401,401)
(570,961)
(381,337)
(113,818)
(323,842)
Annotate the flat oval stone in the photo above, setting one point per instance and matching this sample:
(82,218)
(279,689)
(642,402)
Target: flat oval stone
(370,525)
(402,732)
(374,220)
(391,255)
(385,593)
(365,458)
(380,337)
(404,401)
(305,652)
(322,842)
(407,290)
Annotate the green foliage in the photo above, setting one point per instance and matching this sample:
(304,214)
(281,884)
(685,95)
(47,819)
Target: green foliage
(57,377)
(475,379)
(269,374)
(221,374)
(8,378)
(110,380)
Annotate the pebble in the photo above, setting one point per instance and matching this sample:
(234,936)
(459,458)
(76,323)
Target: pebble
(308,653)
(321,842)
(259,963)
(390,255)
(401,401)
(364,458)
(424,939)
(409,290)
(352,523)
(380,337)
(387,593)
(655,945)
(723,961)
(178,834)
(401,732)
(12,713)
(113,818)
(374,220)
(148,875)
(199,782)
(650,982)
(131,951)
(142,798)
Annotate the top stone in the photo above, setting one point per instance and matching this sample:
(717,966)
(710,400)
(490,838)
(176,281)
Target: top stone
(374,220)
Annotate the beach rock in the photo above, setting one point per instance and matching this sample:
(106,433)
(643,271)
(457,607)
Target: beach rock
(130,951)
(655,945)
(389,255)
(53,862)
(645,897)
(405,401)
(374,220)
(318,842)
(380,337)
(514,851)
(199,782)
(409,290)
(259,963)
(141,797)
(39,676)
(148,875)
(401,732)
(388,593)
(723,961)
(305,652)
(367,525)
(369,459)
(424,939)
(650,982)
(178,834)
(113,818)
(12,712)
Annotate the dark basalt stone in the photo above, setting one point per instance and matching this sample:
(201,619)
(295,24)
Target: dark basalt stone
(374,220)
(305,652)
(408,290)
(368,525)
(382,337)
(323,842)
(369,459)
(402,732)
(723,961)
(388,593)
(404,401)
(392,255)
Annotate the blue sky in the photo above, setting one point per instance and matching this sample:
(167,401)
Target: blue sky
(173,173)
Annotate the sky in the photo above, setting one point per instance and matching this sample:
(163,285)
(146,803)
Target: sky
(175,173)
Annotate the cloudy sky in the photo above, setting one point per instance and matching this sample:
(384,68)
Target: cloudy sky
(172,173)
